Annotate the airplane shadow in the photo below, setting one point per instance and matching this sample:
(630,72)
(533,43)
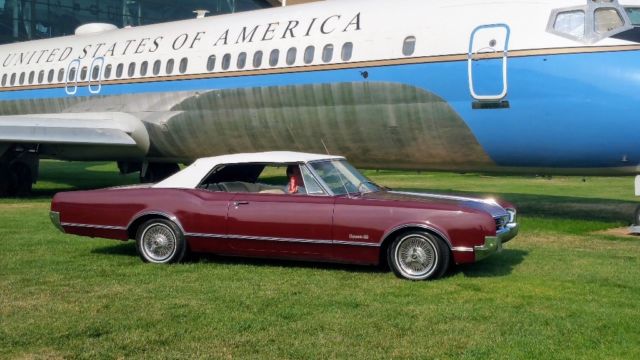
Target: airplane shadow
(498,265)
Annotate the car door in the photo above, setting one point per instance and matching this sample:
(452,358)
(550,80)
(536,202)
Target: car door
(283,225)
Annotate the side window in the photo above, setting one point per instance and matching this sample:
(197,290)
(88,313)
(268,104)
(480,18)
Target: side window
(257,59)
(347,51)
(107,71)
(132,69)
(291,55)
(607,19)
(242,60)
(13,79)
(183,65)
(51,75)
(409,46)
(570,23)
(634,15)
(144,67)
(4,80)
(22,76)
(327,53)
(72,75)
(119,70)
(83,73)
(312,186)
(274,57)
(226,61)
(41,77)
(95,72)
(61,75)
(211,63)
(32,77)
(169,67)
(157,65)
(309,53)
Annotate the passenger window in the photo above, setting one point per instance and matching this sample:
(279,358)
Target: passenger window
(119,70)
(41,77)
(607,19)
(211,63)
(226,61)
(4,79)
(169,67)
(95,72)
(274,57)
(156,67)
(132,69)
(409,46)
(143,68)
(634,15)
(291,55)
(72,75)
(309,53)
(311,185)
(183,65)
(257,59)
(13,79)
(107,71)
(242,60)
(32,77)
(347,51)
(570,23)
(83,74)
(22,76)
(327,53)
(51,75)
(61,75)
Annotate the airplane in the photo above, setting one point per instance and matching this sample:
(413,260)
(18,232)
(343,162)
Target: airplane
(530,86)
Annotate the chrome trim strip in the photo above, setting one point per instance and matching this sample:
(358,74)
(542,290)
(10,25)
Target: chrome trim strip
(90,226)
(278,239)
(158,213)
(55,219)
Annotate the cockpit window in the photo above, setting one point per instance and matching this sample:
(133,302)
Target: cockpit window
(634,15)
(607,19)
(570,23)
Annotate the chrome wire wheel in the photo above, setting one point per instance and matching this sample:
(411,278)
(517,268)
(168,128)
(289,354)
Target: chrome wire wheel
(416,256)
(159,243)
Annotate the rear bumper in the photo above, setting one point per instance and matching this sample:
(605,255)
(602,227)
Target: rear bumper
(493,244)
(55,219)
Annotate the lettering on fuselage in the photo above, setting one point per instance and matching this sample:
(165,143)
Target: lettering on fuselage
(231,36)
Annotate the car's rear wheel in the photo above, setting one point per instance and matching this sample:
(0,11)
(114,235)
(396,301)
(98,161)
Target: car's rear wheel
(161,241)
(418,255)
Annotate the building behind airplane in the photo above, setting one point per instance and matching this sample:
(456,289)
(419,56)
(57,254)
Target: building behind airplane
(548,85)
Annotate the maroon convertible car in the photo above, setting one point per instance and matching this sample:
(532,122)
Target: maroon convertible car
(292,206)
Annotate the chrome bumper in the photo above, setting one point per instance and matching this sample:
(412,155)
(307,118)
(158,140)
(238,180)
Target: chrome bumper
(55,219)
(493,244)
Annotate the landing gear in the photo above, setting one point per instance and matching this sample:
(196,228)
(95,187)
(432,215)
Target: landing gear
(156,172)
(18,172)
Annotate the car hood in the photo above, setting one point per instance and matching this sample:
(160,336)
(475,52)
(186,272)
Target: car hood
(488,205)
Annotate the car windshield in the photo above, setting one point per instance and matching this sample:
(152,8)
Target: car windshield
(342,178)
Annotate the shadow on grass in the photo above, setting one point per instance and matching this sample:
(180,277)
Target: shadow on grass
(498,265)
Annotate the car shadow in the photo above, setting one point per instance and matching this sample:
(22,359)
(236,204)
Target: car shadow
(498,265)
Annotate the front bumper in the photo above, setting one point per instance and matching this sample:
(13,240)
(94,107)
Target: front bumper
(55,219)
(493,244)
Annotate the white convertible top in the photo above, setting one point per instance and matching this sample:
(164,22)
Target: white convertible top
(191,176)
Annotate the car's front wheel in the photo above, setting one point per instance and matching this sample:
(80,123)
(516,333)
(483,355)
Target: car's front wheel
(161,241)
(418,255)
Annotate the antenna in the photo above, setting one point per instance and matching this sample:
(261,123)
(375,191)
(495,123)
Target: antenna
(325,146)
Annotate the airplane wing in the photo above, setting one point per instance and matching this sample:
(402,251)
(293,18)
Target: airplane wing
(80,131)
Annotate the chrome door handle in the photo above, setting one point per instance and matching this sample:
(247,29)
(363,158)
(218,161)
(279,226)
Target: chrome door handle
(238,203)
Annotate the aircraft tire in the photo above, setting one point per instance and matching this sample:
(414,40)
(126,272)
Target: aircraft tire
(636,216)
(158,171)
(5,180)
(21,180)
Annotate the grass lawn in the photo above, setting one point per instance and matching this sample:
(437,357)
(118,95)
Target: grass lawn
(565,288)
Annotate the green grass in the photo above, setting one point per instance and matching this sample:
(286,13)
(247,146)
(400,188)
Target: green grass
(562,289)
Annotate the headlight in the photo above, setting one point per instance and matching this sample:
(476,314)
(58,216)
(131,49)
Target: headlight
(512,215)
